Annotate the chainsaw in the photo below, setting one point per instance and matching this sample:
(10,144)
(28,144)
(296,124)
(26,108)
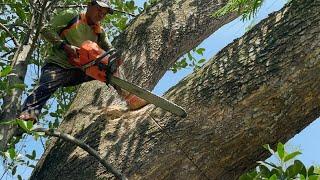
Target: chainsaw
(102,65)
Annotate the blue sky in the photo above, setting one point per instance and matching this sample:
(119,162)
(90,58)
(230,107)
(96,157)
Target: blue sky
(306,141)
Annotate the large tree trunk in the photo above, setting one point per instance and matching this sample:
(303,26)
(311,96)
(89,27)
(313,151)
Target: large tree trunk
(262,88)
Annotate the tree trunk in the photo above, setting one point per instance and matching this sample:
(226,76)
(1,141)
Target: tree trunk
(11,104)
(262,88)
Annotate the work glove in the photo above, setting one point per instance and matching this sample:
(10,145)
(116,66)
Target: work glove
(114,61)
(113,64)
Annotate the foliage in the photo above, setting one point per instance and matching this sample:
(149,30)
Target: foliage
(189,60)
(247,8)
(14,157)
(285,170)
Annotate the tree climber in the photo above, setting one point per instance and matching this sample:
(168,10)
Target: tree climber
(66,32)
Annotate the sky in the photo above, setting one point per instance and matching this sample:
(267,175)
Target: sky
(305,141)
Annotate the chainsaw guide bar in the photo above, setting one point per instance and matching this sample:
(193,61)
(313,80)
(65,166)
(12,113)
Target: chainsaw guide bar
(149,96)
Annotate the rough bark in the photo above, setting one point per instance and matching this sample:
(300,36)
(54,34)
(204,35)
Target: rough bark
(262,88)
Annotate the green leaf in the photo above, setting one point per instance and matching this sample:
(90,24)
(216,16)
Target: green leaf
(201,61)
(14,170)
(200,51)
(245,177)
(53,114)
(32,156)
(277,171)
(295,169)
(291,156)
(5,71)
(12,153)
(23,124)
(314,177)
(190,56)
(19,177)
(20,12)
(273,177)
(311,171)
(36,135)
(249,176)
(264,171)
(32,166)
(29,125)
(280,150)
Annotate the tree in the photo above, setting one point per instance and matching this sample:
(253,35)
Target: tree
(30,19)
(260,89)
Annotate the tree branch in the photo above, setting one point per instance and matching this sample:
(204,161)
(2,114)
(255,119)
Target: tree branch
(15,41)
(83,6)
(7,53)
(87,148)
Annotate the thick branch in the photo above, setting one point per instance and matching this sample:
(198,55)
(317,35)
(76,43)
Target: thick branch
(262,88)
(84,6)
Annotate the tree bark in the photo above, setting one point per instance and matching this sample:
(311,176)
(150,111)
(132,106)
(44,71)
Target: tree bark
(263,88)
(11,104)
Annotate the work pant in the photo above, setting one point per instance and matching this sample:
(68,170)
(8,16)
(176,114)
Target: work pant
(52,77)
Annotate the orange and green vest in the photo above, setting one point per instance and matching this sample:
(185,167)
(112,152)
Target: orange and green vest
(71,27)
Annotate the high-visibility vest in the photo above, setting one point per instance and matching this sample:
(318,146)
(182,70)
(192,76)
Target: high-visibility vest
(90,54)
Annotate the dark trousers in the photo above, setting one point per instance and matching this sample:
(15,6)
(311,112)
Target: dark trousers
(52,77)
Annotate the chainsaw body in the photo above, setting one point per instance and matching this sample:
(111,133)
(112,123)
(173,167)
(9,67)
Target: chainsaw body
(96,62)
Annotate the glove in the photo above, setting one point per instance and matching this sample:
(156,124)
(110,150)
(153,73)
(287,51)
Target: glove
(113,64)
(114,61)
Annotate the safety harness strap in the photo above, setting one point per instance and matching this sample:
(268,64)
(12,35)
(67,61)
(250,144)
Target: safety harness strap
(70,23)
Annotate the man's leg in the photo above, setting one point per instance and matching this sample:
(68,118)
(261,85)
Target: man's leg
(52,77)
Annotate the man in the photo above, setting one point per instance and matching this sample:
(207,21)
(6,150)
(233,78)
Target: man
(66,32)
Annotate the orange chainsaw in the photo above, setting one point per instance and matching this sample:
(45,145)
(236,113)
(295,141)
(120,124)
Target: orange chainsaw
(103,66)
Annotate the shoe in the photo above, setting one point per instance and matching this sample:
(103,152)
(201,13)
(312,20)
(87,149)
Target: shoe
(25,117)
(28,117)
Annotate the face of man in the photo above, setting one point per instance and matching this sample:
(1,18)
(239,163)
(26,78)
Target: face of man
(96,13)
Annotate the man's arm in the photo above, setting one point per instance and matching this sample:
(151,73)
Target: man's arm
(51,36)
(104,42)
(51,30)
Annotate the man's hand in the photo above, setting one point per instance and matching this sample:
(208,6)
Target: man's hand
(72,51)
(114,61)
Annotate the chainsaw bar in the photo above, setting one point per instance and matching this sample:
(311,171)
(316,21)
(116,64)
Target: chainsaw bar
(149,96)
